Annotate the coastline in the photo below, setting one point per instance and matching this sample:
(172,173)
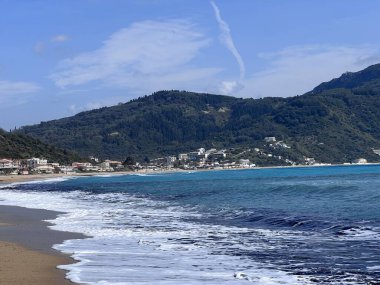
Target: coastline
(8,179)
(27,256)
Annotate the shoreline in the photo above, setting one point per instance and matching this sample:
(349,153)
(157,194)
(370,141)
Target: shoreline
(9,179)
(27,256)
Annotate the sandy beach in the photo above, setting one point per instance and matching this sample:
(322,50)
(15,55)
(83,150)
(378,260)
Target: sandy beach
(4,179)
(27,256)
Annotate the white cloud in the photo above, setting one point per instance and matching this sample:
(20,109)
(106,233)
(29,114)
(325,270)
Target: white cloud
(228,87)
(146,56)
(226,39)
(296,70)
(16,87)
(15,91)
(60,38)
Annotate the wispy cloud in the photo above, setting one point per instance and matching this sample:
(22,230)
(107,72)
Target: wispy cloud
(148,55)
(15,91)
(298,69)
(41,46)
(74,108)
(17,87)
(228,87)
(60,38)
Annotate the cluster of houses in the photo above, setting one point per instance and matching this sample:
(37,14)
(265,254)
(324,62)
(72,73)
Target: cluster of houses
(26,166)
(40,165)
(198,159)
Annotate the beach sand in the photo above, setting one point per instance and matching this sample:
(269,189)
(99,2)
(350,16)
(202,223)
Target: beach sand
(26,252)
(5,179)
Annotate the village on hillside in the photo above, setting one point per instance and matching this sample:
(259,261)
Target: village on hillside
(194,160)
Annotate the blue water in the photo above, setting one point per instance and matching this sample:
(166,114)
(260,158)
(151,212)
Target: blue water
(317,225)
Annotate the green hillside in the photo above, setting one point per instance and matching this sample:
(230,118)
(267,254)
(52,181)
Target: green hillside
(336,122)
(18,146)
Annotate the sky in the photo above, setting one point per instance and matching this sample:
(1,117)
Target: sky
(58,58)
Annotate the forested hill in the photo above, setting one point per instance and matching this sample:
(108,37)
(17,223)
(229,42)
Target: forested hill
(366,81)
(336,122)
(18,146)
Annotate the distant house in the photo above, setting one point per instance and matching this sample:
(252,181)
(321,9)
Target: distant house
(183,156)
(360,161)
(110,165)
(46,169)
(221,154)
(8,166)
(66,169)
(282,144)
(170,160)
(193,156)
(6,163)
(105,166)
(377,151)
(115,164)
(210,152)
(84,166)
(270,139)
(244,162)
(81,164)
(309,160)
(34,163)
(93,158)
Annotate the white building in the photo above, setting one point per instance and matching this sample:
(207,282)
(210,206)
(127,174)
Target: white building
(105,166)
(47,169)
(270,139)
(170,160)
(183,156)
(244,162)
(36,162)
(282,144)
(218,155)
(360,161)
(6,163)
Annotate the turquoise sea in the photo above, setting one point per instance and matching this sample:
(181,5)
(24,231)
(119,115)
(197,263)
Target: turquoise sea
(314,225)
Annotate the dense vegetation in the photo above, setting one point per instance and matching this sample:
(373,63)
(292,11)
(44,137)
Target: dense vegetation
(18,146)
(336,122)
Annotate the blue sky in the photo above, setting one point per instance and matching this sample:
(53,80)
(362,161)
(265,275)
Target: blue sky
(58,58)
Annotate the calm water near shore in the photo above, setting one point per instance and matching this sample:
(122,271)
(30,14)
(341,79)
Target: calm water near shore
(262,226)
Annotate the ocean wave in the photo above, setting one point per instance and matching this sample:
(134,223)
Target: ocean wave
(140,235)
(359,233)
(138,239)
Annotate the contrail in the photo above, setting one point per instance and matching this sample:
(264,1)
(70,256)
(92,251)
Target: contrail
(226,38)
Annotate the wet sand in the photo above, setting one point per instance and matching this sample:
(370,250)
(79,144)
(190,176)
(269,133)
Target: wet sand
(5,179)
(26,252)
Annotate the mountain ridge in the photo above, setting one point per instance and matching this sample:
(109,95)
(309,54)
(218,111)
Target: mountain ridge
(338,121)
